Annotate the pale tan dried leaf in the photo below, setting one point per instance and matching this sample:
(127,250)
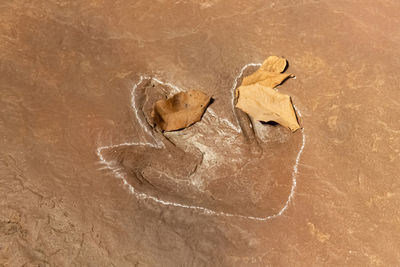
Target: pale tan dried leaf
(268,79)
(274,64)
(180,111)
(265,104)
(270,73)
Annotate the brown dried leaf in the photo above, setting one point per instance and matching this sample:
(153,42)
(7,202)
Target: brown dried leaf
(180,111)
(265,104)
(270,73)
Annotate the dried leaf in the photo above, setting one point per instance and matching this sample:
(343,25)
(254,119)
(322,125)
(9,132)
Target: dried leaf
(268,79)
(270,73)
(180,111)
(265,104)
(274,64)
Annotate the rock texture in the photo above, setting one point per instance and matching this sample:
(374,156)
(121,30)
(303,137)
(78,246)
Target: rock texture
(67,69)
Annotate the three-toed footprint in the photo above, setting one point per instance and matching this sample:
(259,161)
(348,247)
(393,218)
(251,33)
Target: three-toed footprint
(243,168)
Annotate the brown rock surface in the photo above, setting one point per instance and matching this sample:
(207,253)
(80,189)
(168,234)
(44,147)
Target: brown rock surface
(67,70)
